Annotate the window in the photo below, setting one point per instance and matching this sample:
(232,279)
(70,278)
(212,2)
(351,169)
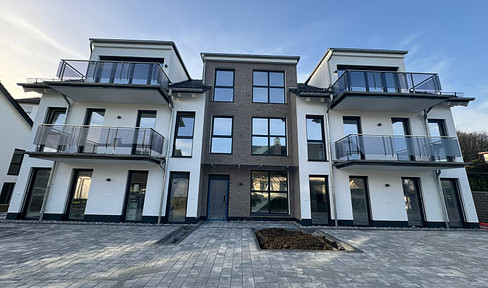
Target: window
(268,136)
(269,192)
(224,86)
(54,116)
(184,135)
(178,196)
(221,135)
(6,194)
(268,87)
(16,162)
(315,138)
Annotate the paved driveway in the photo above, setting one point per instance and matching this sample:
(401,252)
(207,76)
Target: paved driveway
(221,254)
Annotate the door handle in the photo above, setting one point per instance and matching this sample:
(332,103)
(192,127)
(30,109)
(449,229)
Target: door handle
(224,199)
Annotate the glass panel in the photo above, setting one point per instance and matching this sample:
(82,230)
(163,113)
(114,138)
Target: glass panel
(276,95)
(95,117)
(314,129)
(183,147)
(259,145)
(358,82)
(147,119)
(359,201)
(278,202)
(105,72)
(260,126)
(277,79)
(81,188)
(319,200)
(316,151)
(260,95)
(140,73)
(57,117)
(412,202)
(453,205)
(37,189)
(277,127)
(374,82)
(259,202)
(178,197)
(6,194)
(121,75)
(185,126)
(224,94)
(222,126)
(224,78)
(351,126)
(277,145)
(259,181)
(278,181)
(260,78)
(391,82)
(136,195)
(436,128)
(221,145)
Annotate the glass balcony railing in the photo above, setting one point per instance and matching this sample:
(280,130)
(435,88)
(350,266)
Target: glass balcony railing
(400,148)
(389,82)
(111,72)
(99,140)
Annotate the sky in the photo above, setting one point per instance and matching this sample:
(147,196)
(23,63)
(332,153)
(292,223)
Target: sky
(445,37)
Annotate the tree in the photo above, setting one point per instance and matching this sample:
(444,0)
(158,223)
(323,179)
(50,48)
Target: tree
(472,143)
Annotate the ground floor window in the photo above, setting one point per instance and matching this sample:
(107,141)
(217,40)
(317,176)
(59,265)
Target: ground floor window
(6,194)
(269,192)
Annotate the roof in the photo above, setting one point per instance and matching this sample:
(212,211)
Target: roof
(194,85)
(16,105)
(259,57)
(308,90)
(354,50)
(31,100)
(142,42)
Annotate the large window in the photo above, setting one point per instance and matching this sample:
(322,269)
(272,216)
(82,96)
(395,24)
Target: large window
(315,138)
(221,135)
(268,136)
(224,86)
(54,116)
(184,135)
(6,194)
(268,87)
(178,196)
(16,162)
(269,192)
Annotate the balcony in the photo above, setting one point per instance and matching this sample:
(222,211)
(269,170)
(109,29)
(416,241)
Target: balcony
(110,81)
(387,91)
(71,143)
(358,151)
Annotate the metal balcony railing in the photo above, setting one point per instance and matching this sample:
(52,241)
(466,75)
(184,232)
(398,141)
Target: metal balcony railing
(390,82)
(400,148)
(99,140)
(113,72)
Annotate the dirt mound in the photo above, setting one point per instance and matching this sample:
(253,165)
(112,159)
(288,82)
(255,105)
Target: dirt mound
(282,239)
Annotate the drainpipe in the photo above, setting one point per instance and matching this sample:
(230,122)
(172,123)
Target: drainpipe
(168,146)
(331,167)
(53,169)
(436,173)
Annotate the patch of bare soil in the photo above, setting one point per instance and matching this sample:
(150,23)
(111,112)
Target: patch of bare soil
(282,239)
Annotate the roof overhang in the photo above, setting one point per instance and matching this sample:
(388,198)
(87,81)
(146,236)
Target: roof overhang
(250,58)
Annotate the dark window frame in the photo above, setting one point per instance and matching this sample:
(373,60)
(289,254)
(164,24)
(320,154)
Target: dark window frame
(6,192)
(28,193)
(48,118)
(127,192)
(269,87)
(168,200)
(269,191)
(420,194)
(368,198)
(316,141)
(14,167)
(178,117)
(442,130)
(221,136)
(220,86)
(269,136)
(462,208)
(72,192)
(327,190)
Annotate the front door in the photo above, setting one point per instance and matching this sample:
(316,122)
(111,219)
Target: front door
(319,200)
(453,204)
(36,192)
(218,194)
(80,187)
(413,202)
(360,201)
(136,192)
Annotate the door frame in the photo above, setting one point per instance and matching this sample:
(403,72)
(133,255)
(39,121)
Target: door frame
(327,190)
(461,208)
(421,199)
(28,192)
(71,194)
(368,200)
(126,196)
(168,200)
(222,177)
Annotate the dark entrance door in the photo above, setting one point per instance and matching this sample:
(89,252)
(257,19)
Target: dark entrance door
(36,192)
(218,196)
(453,203)
(360,201)
(80,187)
(319,200)
(413,201)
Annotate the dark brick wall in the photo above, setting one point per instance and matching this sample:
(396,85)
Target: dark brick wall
(481,203)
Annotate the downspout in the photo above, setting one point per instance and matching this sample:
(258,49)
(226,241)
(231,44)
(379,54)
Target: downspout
(331,167)
(53,169)
(168,147)
(437,173)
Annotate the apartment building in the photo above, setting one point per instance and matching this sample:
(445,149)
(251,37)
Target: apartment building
(128,136)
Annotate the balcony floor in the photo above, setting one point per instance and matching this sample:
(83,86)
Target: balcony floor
(96,158)
(397,165)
